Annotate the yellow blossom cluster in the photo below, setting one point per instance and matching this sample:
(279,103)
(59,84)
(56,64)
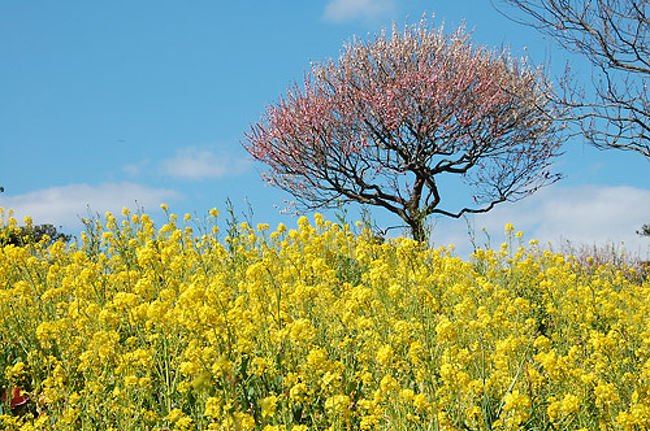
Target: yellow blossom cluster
(134,327)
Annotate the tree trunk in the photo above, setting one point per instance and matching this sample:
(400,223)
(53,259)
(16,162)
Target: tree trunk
(417,230)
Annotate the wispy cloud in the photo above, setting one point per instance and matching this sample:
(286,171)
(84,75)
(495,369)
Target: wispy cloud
(585,215)
(62,206)
(343,10)
(135,169)
(198,164)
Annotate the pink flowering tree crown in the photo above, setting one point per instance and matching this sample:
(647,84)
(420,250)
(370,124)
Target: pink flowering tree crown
(385,122)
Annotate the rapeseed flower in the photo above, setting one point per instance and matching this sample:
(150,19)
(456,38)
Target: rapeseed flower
(313,328)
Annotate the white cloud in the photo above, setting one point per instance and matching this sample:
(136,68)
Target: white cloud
(342,10)
(132,170)
(135,169)
(197,164)
(585,215)
(64,205)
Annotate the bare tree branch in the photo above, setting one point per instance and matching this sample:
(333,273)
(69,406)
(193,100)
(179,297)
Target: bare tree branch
(614,35)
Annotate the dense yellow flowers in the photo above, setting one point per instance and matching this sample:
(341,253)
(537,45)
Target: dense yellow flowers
(136,328)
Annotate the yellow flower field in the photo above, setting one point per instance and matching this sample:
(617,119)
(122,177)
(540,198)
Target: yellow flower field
(186,327)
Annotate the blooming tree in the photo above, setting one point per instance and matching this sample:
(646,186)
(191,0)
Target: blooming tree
(385,122)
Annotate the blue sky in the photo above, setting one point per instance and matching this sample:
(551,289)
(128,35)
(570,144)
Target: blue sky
(105,104)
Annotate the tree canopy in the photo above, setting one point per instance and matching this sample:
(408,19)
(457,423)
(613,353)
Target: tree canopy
(394,114)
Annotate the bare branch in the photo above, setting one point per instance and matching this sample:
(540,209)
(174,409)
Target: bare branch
(614,35)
